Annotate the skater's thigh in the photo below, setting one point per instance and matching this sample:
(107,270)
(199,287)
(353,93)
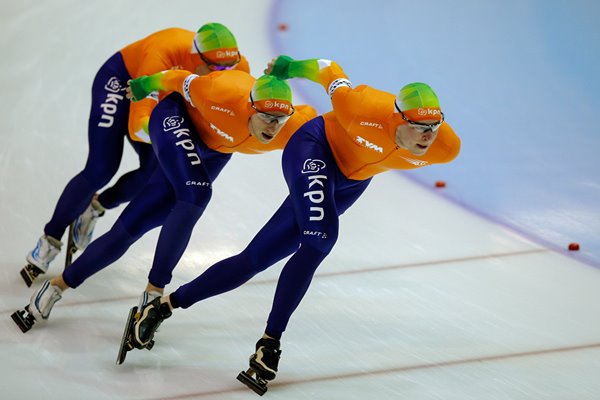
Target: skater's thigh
(150,207)
(107,126)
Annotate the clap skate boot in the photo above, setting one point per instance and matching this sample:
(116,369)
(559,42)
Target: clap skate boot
(263,365)
(141,326)
(38,259)
(39,306)
(84,225)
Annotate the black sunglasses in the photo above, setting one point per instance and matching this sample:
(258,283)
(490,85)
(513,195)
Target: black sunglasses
(268,118)
(419,126)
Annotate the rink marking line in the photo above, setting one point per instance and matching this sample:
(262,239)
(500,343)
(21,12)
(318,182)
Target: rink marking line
(339,273)
(429,263)
(386,371)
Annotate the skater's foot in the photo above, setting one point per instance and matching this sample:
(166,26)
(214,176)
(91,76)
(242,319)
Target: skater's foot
(83,229)
(266,359)
(151,316)
(39,259)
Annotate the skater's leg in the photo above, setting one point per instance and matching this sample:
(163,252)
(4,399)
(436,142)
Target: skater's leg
(276,240)
(190,168)
(130,183)
(145,212)
(107,127)
(280,233)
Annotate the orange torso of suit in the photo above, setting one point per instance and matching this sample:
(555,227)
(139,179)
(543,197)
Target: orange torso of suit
(218,104)
(361,131)
(167,49)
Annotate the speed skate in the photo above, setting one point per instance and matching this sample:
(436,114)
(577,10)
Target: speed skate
(127,339)
(251,379)
(23,319)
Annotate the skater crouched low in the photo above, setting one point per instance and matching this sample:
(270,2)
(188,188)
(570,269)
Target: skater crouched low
(324,156)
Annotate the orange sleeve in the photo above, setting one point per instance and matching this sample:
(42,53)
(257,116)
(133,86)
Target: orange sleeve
(243,65)
(139,115)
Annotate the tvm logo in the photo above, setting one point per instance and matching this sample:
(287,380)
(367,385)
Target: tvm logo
(371,146)
(109,106)
(221,133)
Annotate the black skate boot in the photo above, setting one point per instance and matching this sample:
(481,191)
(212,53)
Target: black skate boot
(132,318)
(263,366)
(151,316)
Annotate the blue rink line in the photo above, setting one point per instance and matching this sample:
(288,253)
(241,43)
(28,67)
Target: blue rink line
(517,80)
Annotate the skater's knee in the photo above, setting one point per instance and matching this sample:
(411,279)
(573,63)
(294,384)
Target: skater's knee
(199,194)
(320,241)
(99,175)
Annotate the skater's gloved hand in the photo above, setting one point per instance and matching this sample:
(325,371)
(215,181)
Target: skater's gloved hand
(279,67)
(141,87)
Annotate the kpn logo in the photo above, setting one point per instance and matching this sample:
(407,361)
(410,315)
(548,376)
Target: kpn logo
(273,104)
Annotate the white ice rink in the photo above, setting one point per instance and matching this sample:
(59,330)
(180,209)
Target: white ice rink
(419,300)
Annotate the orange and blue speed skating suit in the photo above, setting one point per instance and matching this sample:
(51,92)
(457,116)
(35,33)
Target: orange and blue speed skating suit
(327,168)
(192,144)
(112,118)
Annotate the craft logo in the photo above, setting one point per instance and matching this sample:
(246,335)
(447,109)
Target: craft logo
(221,109)
(312,166)
(196,183)
(373,124)
(171,123)
(322,235)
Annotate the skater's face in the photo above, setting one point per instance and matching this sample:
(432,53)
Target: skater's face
(263,130)
(416,139)
(264,126)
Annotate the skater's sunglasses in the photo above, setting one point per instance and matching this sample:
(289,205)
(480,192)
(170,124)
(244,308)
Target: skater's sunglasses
(419,126)
(217,67)
(268,118)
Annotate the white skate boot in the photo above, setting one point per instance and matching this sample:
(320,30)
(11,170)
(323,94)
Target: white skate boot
(39,306)
(85,223)
(40,257)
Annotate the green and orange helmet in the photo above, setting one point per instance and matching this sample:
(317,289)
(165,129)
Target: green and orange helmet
(217,46)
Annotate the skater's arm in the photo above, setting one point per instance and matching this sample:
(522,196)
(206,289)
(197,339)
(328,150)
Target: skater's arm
(173,80)
(326,72)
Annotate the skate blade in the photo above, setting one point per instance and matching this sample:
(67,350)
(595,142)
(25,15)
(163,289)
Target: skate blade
(71,247)
(258,385)
(27,276)
(23,319)
(127,333)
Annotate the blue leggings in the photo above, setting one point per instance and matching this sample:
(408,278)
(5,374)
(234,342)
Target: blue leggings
(175,197)
(107,127)
(305,225)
